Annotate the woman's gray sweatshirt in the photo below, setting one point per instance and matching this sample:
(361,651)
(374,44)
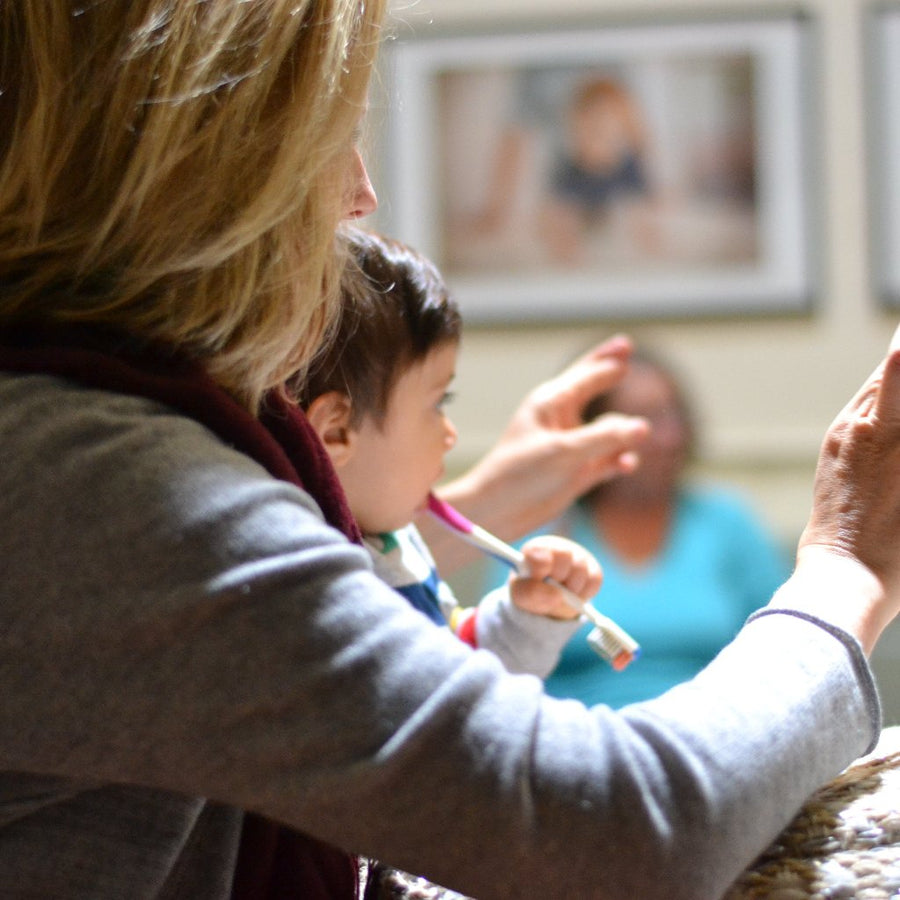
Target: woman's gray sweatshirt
(181,637)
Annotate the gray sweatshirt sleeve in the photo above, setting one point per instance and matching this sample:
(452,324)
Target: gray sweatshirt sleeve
(525,642)
(173,618)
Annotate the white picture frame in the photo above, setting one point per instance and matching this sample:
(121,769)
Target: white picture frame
(717,223)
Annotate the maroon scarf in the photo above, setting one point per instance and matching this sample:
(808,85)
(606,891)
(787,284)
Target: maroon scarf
(274,862)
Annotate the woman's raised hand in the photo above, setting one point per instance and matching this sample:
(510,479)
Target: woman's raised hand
(851,544)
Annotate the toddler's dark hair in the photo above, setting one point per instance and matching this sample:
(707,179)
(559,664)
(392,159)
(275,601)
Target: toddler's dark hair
(395,310)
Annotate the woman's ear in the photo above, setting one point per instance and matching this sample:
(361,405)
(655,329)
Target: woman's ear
(329,415)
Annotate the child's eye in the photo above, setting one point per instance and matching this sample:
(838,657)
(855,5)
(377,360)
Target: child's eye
(447,398)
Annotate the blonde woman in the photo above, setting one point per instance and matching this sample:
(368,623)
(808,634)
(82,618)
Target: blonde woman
(188,630)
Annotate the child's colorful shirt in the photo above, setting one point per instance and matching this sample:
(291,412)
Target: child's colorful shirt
(524,642)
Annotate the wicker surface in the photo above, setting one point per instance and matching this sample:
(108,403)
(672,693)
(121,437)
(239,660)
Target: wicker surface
(385,883)
(845,842)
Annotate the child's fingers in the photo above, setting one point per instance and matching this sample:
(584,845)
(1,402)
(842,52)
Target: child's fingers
(584,580)
(539,560)
(541,598)
(565,562)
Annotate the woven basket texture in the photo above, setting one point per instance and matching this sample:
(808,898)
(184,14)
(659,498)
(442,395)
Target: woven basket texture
(844,844)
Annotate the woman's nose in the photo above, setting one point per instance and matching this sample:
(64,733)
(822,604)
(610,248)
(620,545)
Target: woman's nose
(362,199)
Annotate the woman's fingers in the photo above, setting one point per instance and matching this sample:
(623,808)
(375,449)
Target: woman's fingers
(887,399)
(856,508)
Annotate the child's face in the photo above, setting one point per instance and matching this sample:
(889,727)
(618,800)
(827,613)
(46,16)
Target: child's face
(600,135)
(395,464)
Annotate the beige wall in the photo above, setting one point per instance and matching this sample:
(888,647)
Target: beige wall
(765,388)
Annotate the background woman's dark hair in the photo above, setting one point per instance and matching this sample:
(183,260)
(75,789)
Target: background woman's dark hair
(643,357)
(395,310)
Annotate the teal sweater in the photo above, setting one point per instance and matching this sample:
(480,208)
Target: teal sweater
(718,566)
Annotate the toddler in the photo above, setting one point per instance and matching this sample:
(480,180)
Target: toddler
(376,397)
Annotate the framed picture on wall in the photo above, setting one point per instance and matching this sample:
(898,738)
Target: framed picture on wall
(884,128)
(649,170)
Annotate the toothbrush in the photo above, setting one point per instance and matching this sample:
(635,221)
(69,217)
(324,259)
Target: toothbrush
(607,639)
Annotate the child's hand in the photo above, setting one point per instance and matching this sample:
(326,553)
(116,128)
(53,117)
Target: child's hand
(565,562)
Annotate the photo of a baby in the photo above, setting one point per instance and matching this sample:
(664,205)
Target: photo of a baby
(599,168)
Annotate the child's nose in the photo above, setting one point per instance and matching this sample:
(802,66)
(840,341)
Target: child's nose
(450,434)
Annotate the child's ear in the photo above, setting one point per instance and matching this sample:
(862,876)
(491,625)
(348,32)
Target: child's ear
(329,415)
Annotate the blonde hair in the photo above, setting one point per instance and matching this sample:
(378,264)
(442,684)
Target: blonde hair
(173,169)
